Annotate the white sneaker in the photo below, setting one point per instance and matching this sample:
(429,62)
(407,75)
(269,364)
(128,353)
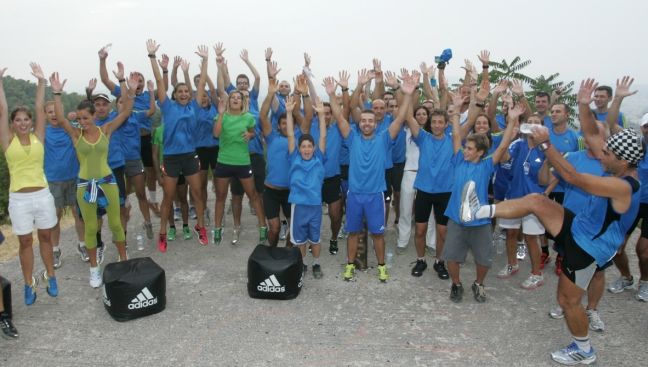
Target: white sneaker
(595,322)
(557,313)
(620,284)
(533,282)
(508,271)
(95,277)
(642,292)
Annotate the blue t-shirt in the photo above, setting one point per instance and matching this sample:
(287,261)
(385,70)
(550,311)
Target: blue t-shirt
(575,198)
(333,146)
(525,165)
(205,127)
(496,141)
(277,164)
(465,171)
(602,116)
(368,159)
(435,171)
(598,234)
(501,121)
(131,140)
(642,169)
(179,125)
(61,163)
(141,104)
(116,156)
(306,178)
(398,148)
(568,141)
(254,99)
(255,145)
(384,126)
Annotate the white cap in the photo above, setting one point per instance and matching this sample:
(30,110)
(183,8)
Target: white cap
(644,120)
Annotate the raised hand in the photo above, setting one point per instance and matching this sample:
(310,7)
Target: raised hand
(404,73)
(319,108)
(516,111)
(244,55)
(457,100)
(363,77)
(38,72)
(425,70)
(623,87)
(329,83)
(184,65)
(410,82)
(133,80)
(177,61)
(307,60)
(484,89)
(152,46)
(517,88)
(377,66)
(390,79)
(92,84)
(220,60)
(273,70)
(268,54)
(150,86)
(484,57)
(119,74)
(218,47)
(586,91)
(301,85)
(290,104)
(273,86)
(55,81)
(501,87)
(508,99)
(203,52)
(164,63)
(343,79)
(222,105)
(103,52)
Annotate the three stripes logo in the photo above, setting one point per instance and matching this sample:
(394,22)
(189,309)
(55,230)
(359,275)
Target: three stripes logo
(144,299)
(271,285)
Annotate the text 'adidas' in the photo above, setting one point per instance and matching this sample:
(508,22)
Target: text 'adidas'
(144,299)
(271,285)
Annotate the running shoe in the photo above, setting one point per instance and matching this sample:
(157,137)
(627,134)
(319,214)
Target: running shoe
(621,284)
(441,270)
(558,265)
(508,271)
(95,277)
(202,235)
(186,233)
(218,235)
(30,292)
(177,214)
(83,252)
(532,282)
(595,322)
(263,235)
(317,271)
(469,202)
(342,235)
(572,355)
(556,313)
(382,273)
(57,258)
(456,293)
(479,292)
(52,286)
(8,329)
(642,292)
(192,213)
(100,254)
(544,259)
(333,247)
(419,268)
(148,227)
(521,251)
(162,243)
(283,231)
(349,272)
(236,236)
(171,235)
(400,250)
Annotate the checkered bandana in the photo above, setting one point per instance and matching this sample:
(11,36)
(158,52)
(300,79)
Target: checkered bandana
(628,145)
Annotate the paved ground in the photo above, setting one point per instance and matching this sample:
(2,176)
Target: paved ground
(210,320)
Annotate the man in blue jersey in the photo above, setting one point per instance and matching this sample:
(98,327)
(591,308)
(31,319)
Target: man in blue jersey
(369,151)
(591,237)
(602,97)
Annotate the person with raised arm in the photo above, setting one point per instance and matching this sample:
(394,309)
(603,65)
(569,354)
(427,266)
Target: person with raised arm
(30,202)
(589,238)
(369,150)
(242,80)
(180,115)
(97,186)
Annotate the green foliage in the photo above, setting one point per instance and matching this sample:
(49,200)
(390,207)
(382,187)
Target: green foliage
(509,70)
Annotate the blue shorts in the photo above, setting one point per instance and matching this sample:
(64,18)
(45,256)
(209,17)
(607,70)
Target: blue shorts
(305,224)
(370,207)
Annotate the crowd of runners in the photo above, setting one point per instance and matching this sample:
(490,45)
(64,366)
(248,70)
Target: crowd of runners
(450,160)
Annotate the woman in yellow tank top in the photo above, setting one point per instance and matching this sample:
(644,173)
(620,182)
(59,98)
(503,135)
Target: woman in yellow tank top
(97,187)
(30,201)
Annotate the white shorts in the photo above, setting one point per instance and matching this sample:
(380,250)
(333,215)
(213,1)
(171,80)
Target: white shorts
(530,224)
(29,209)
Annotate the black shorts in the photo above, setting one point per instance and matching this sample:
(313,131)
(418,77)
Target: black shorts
(146,150)
(577,265)
(388,193)
(231,171)
(558,197)
(332,189)
(344,171)
(181,180)
(258,171)
(208,157)
(397,176)
(424,202)
(273,199)
(642,214)
(121,184)
(186,164)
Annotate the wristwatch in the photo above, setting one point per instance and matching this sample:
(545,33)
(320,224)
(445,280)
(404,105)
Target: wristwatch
(544,146)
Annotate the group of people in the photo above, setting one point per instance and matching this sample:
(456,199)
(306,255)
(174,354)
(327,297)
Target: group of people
(452,159)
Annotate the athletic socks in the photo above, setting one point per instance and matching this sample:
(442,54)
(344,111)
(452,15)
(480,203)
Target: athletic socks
(315,261)
(486,211)
(583,343)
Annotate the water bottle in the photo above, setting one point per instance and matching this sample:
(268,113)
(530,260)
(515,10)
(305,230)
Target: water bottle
(140,242)
(389,259)
(211,235)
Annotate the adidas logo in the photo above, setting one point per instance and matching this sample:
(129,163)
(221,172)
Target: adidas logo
(144,299)
(271,285)
(106,301)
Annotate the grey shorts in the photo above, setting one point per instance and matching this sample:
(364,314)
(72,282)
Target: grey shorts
(64,193)
(133,168)
(460,239)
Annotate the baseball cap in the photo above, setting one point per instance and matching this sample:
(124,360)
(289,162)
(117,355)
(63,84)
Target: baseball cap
(101,96)
(644,120)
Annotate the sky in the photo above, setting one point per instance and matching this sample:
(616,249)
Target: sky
(578,39)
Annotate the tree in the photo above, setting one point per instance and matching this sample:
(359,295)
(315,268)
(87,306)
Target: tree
(509,70)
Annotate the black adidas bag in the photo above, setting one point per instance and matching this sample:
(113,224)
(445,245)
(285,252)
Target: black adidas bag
(134,288)
(275,272)
(5,284)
